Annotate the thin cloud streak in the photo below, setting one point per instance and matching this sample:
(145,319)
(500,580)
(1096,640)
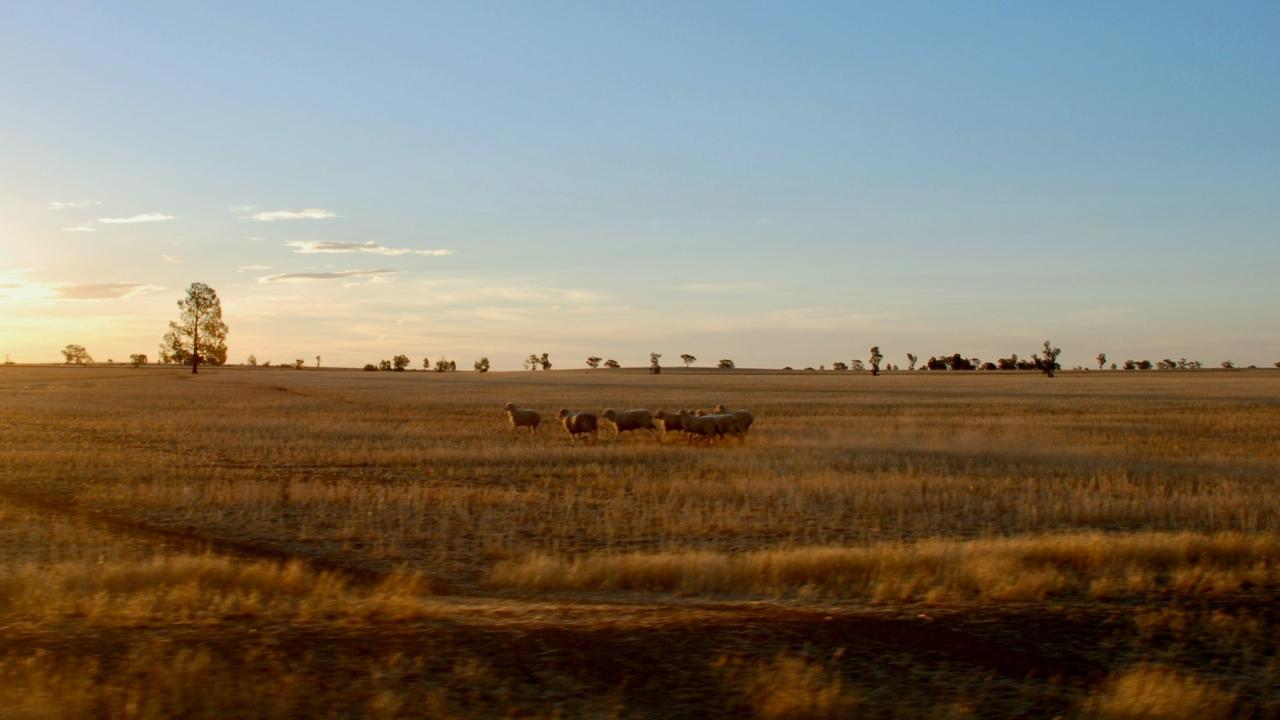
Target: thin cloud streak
(143,218)
(336,275)
(251,268)
(58,205)
(80,228)
(305,214)
(315,247)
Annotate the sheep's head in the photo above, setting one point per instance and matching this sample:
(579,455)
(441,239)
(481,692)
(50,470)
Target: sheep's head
(719,408)
(509,407)
(661,414)
(609,414)
(562,414)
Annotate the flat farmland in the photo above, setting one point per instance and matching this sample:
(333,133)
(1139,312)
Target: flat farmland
(262,542)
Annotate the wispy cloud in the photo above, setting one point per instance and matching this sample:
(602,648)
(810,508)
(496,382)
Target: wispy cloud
(80,228)
(306,214)
(313,247)
(251,268)
(335,275)
(143,218)
(170,259)
(63,205)
(102,291)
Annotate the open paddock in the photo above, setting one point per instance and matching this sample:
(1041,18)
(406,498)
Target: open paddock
(980,543)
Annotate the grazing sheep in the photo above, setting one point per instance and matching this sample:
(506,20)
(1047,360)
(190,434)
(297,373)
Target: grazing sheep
(628,420)
(704,426)
(522,418)
(742,419)
(725,423)
(576,424)
(668,423)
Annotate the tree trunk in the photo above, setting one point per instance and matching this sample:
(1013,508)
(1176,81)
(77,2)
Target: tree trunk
(195,347)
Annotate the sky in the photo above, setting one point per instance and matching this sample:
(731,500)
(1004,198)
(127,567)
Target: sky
(775,183)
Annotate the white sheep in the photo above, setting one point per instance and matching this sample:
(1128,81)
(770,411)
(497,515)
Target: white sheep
(583,423)
(628,420)
(522,418)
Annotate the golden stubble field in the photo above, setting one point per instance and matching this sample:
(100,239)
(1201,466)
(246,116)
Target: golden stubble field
(264,543)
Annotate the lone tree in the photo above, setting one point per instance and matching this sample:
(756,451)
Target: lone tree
(725,364)
(400,362)
(138,359)
(1050,358)
(76,354)
(655,368)
(482,365)
(875,358)
(426,363)
(690,360)
(253,360)
(545,361)
(1102,360)
(198,335)
(911,361)
(593,362)
(612,364)
(531,362)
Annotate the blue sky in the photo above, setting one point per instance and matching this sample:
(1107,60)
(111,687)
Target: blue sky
(782,183)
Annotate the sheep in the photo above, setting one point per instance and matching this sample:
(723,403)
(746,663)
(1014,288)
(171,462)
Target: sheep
(668,423)
(725,423)
(522,418)
(628,420)
(699,425)
(576,424)
(742,419)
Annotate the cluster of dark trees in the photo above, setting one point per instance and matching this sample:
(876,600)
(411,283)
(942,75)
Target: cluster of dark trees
(534,362)
(655,364)
(400,363)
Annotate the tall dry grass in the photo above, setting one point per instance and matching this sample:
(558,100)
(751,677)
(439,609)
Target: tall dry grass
(1157,693)
(789,687)
(1087,565)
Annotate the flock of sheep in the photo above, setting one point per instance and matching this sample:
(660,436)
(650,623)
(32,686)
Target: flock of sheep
(697,424)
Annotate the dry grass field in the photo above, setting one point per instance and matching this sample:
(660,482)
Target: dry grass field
(267,543)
